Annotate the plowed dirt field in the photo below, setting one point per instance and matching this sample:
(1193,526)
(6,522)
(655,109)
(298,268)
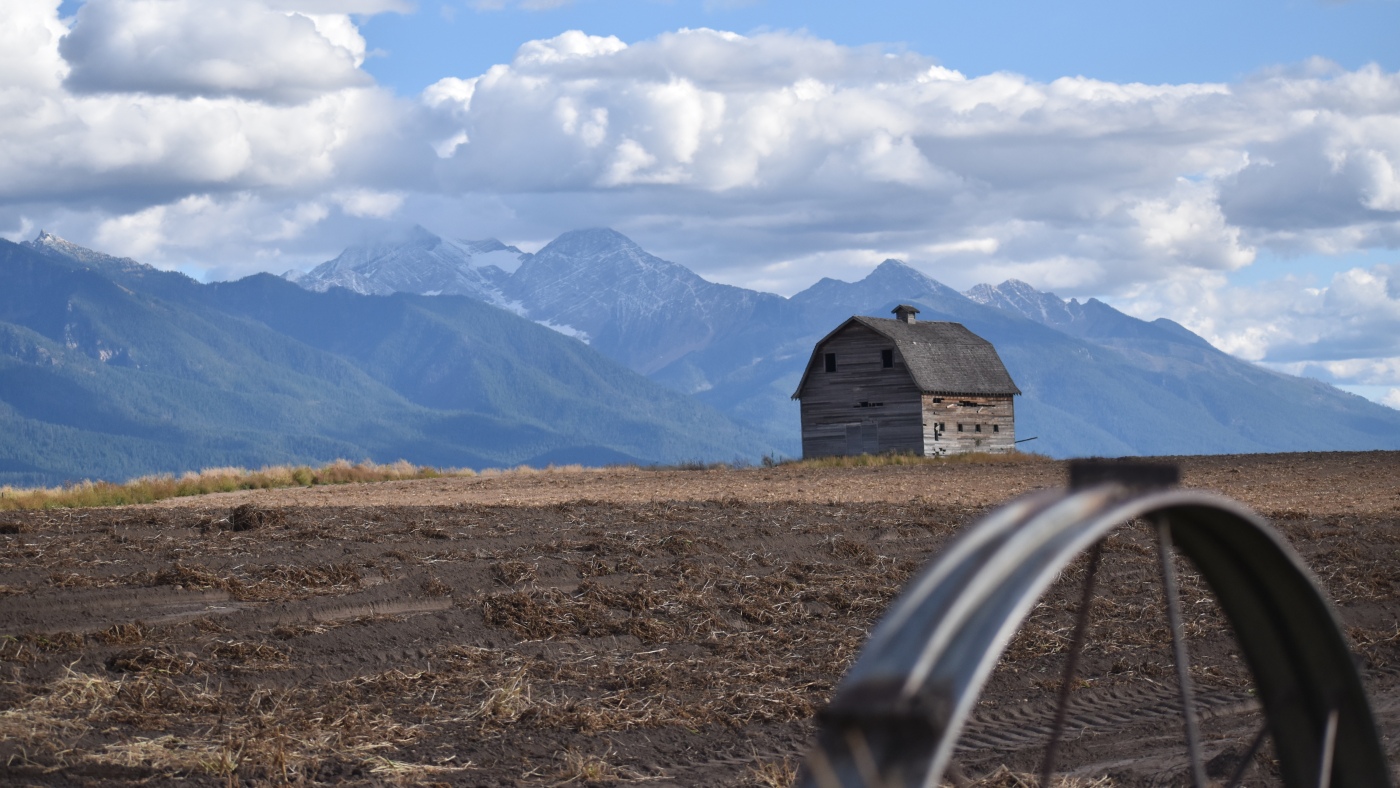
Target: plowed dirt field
(599,627)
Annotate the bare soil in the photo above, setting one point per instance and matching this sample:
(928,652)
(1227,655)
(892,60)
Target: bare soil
(597,627)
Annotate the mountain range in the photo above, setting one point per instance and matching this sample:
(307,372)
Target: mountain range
(476,354)
(1095,380)
(112,369)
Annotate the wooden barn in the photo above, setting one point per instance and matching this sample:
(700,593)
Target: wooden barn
(877,385)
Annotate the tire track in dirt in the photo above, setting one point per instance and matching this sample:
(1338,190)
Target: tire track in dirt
(338,610)
(1029,724)
(85,611)
(1113,710)
(1091,711)
(95,610)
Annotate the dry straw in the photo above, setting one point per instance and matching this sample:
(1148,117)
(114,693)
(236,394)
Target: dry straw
(149,489)
(906,458)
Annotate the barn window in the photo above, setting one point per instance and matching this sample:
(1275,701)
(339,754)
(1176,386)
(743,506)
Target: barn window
(887,358)
(830,362)
(996,428)
(977,428)
(959,428)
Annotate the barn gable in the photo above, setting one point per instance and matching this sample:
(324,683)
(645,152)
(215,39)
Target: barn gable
(942,358)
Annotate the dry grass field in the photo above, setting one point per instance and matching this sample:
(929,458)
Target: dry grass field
(600,627)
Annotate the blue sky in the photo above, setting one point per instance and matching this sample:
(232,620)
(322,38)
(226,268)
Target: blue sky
(1149,41)
(1233,166)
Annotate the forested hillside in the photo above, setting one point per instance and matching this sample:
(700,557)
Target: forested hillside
(113,370)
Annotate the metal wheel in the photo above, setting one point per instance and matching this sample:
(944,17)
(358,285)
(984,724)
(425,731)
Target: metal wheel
(896,716)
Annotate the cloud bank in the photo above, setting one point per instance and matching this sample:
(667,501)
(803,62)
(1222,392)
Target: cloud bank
(197,48)
(245,135)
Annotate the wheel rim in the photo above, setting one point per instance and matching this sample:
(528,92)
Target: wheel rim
(898,713)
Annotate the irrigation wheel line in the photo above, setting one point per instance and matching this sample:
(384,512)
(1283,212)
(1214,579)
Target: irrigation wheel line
(898,713)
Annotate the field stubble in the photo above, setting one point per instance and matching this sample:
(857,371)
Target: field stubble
(605,627)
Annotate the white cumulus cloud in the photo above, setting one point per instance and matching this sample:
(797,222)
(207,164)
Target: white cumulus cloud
(1098,185)
(197,118)
(210,48)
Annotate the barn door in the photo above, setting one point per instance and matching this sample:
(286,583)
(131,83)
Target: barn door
(870,437)
(855,442)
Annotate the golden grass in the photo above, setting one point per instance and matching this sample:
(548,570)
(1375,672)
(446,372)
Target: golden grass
(899,458)
(150,489)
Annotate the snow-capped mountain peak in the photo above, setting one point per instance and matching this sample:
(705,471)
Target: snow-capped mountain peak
(489,252)
(1020,298)
(50,245)
(416,260)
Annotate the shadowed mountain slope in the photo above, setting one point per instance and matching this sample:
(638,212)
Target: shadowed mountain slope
(632,306)
(111,371)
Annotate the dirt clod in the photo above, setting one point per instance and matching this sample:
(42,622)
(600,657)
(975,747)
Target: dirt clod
(248,517)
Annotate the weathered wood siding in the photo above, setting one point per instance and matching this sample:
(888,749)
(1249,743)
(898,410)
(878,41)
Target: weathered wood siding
(863,407)
(988,424)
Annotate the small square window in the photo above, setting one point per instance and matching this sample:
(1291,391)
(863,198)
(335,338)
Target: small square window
(887,358)
(959,428)
(996,428)
(830,362)
(977,428)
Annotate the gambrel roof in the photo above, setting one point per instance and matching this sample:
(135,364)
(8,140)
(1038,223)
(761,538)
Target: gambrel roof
(942,358)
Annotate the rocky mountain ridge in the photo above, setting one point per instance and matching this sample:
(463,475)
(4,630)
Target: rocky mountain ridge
(417,261)
(56,248)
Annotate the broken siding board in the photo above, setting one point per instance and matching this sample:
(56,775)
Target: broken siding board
(996,416)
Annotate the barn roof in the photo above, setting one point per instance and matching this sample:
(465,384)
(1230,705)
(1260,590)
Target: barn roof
(942,357)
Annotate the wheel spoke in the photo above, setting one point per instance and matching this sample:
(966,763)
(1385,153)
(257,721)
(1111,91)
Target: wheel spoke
(1329,747)
(1243,766)
(1183,665)
(955,775)
(864,758)
(1076,646)
(820,769)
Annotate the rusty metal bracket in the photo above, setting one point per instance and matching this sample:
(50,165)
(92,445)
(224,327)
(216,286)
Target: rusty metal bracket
(897,715)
